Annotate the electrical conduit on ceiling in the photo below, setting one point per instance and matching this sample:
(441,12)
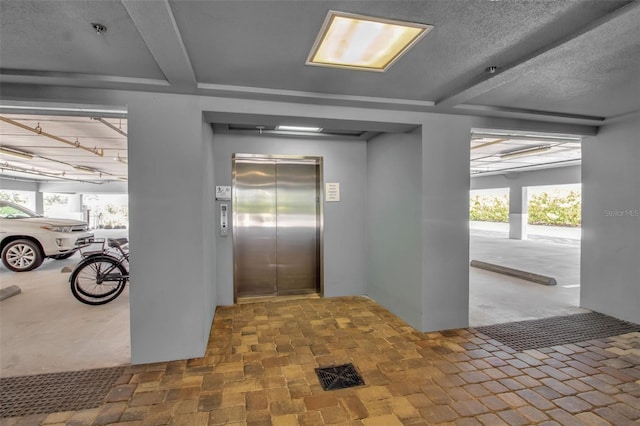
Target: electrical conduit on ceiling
(38,130)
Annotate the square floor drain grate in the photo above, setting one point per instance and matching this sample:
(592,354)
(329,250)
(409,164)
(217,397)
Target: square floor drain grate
(339,377)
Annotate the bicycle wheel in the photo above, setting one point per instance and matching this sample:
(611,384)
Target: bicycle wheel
(98,280)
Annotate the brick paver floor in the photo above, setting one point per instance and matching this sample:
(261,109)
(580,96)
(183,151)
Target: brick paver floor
(260,361)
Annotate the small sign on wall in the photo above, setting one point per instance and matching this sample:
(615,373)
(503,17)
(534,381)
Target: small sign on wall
(223,193)
(332,191)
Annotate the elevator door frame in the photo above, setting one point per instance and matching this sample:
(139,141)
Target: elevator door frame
(320,214)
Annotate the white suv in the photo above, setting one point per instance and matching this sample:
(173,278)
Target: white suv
(27,238)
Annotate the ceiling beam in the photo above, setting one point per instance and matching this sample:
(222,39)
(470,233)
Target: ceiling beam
(16,76)
(61,109)
(157,27)
(225,89)
(513,112)
(611,26)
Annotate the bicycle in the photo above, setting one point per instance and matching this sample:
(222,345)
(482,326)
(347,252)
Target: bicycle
(102,274)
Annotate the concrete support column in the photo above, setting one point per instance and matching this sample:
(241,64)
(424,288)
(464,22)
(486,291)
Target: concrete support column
(39,202)
(169,302)
(518,212)
(75,203)
(445,222)
(609,266)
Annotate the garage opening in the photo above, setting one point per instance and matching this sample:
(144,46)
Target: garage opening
(69,165)
(524,226)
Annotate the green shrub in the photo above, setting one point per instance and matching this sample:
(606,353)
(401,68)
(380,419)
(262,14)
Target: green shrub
(544,209)
(489,209)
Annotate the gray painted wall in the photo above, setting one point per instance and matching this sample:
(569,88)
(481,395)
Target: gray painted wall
(610,259)
(210,299)
(170,208)
(173,292)
(418,267)
(445,222)
(344,221)
(394,210)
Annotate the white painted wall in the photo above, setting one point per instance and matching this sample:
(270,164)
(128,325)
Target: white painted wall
(344,221)
(84,188)
(394,209)
(17,185)
(610,253)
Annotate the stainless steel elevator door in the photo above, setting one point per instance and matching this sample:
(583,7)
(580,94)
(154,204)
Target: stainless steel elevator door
(276,226)
(297,228)
(254,228)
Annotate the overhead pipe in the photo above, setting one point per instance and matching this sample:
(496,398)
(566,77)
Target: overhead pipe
(38,130)
(482,145)
(109,125)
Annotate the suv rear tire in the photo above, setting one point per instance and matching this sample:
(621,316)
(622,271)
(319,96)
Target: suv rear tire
(22,255)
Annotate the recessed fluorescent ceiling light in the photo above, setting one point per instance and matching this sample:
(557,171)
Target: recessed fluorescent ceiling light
(298,128)
(353,41)
(85,169)
(16,153)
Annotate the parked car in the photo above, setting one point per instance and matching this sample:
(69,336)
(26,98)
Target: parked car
(28,238)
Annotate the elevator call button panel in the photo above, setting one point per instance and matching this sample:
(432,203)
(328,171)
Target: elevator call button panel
(224,220)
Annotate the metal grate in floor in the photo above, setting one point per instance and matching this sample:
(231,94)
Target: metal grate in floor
(56,392)
(339,377)
(547,332)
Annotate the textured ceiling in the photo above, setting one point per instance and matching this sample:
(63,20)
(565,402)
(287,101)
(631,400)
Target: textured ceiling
(572,61)
(591,76)
(56,36)
(561,61)
(265,44)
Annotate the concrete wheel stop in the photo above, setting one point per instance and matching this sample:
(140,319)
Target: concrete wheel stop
(7,292)
(517,273)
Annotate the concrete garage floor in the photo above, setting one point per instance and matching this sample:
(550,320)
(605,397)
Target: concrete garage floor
(45,329)
(551,251)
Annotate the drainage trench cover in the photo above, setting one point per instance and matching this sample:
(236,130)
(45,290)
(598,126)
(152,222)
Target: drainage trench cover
(339,377)
(547,332)
(56,392)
